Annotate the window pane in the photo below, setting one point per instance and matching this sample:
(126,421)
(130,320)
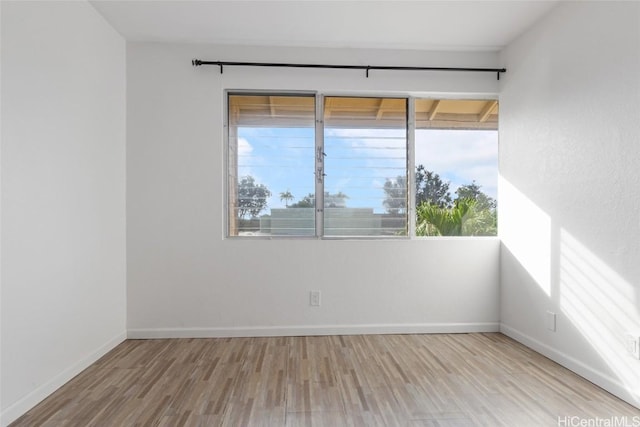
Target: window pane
(365,142)
(456,155)
(271,164)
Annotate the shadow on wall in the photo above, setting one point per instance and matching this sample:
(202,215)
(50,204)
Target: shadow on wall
(599,303)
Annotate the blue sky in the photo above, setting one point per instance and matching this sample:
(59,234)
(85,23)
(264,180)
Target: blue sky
(283,159)
(359,161)
(460,156)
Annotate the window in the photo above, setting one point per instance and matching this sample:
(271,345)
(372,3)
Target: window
(306,165)
(365,147)
(271,157)
(456,167)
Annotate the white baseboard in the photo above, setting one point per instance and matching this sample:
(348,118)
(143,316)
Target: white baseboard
(280,331)
(20,407)
(602,380)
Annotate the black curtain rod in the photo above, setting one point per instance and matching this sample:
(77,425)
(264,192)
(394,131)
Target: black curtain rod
(221,64)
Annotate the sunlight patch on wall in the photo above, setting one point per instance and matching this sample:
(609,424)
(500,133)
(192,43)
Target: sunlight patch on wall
(525,229)
(602,305)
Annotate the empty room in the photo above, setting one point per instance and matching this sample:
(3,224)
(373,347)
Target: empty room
(328,213)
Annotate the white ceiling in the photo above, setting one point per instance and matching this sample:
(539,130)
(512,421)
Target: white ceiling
(426,25)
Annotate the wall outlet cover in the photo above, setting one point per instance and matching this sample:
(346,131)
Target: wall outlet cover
(551,321)
(632,342)
(314,298)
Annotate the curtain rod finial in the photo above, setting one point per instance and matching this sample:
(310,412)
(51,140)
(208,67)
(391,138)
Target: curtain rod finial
(196,62)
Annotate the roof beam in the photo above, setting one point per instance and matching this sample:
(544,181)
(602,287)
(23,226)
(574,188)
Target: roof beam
(434,109)
(272,106)
(381,108)
(487,110)
(328,103)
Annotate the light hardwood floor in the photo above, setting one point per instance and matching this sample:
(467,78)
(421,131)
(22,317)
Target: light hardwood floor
(372,380)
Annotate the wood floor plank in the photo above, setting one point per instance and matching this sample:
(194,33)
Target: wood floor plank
(312,383)
(258,397)
(377,380)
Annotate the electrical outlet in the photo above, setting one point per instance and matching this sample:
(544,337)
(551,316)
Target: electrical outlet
(551,321)
(314,298)
(632,343)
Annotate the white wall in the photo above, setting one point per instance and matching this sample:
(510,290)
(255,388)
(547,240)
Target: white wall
(569,202)
(185,279)
(63,196)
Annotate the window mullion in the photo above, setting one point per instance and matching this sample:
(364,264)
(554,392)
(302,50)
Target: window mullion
(411,166)
(319,166)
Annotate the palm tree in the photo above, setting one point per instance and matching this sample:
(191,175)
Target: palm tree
(484,222)
(286,196)
(433,220)
(463,219)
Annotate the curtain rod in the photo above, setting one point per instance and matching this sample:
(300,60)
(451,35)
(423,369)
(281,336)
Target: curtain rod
(221,64)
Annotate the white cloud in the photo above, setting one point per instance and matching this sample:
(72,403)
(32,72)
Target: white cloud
(359,161)
(244,148)
(379,149)
(460,156)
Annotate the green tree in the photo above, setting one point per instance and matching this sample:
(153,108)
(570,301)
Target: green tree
(286,196)
(472,213)
(337,200)
(252,197)
(485,218)
(308,201)
(434,220)
(484,222)
(431,188)
(395,195)
(462,219)
(472,191)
